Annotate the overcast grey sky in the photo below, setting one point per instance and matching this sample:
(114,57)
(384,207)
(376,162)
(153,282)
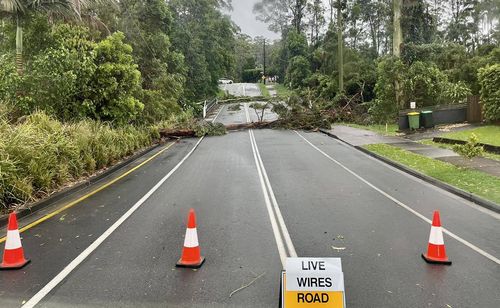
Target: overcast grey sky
(244,17)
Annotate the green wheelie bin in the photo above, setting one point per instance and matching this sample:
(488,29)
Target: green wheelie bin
(427,119)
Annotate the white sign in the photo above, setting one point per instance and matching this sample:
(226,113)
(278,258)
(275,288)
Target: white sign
(413,105)
(314,274)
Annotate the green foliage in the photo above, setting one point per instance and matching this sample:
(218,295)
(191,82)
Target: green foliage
(264,90)
(421,82)
(206,39)
(471,149)
(489,78)
(41,153)
(157,107)
(299,113)
(298,72)
(385,107)
(296,45)
(424,83)
(116,83)
(251,75)
(209,129)
(419,26)
(455,93)
(147,26)
(9,79)
(58,79)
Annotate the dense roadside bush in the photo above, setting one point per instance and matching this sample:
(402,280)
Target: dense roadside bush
(40,154)
(421,82)
(489,78)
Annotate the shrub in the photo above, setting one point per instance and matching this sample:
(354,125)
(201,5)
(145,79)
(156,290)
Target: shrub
(456,93)
(470,149)
(41,153)
(116,83)
(385,107)
(58,78)
(424,83)
(298,71)
(9,79)
(489,78)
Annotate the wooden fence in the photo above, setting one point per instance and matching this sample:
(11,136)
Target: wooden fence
(474,109)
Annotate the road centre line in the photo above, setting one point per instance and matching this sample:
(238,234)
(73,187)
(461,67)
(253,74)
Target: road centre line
(277,222)
(274,225)
(277,211)
(82,256)
(401,204)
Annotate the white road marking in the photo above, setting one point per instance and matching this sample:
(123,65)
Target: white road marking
(277,236)
(218,113)
(281,221)
(271,203)
(81,257)
(401,204)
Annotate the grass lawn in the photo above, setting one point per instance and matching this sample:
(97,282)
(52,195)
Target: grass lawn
(450,147)
(476,182)
(264,90)
(487,134)
(282,90)
(378,128)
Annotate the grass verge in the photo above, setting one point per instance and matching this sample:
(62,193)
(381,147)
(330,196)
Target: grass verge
(377,128)
(450,147)
(282,90)
(486,134)
(476,182)
(264,90)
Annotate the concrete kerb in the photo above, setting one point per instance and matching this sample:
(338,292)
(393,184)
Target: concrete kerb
(452,189)
(42,204)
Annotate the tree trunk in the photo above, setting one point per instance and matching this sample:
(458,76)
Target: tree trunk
(341,46)
(19,48)
(397,40)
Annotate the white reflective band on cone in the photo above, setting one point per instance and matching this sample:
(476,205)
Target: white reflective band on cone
(13,240)
(191,239)
(436,236)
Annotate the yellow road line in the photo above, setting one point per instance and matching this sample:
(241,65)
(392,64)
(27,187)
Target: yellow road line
(73,203)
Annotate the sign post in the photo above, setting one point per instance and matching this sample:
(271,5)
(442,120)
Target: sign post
(313,282)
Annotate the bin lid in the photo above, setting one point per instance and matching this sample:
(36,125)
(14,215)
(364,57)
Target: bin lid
(427,111)
(413,113)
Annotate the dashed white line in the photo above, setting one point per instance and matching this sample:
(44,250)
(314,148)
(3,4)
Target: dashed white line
(401,204)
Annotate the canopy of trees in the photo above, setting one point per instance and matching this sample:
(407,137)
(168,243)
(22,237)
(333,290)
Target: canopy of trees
(128,61)
(393,52)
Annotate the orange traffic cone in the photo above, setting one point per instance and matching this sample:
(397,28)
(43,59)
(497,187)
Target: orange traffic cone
(191,252)
(436,252)
(13,256)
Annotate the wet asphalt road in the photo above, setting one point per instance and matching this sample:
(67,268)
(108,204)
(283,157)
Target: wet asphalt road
(323,206)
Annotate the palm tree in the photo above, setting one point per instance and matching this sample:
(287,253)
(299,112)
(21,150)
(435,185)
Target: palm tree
(19,10)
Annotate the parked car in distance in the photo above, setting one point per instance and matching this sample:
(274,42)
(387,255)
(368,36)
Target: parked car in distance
(225,81)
